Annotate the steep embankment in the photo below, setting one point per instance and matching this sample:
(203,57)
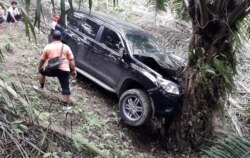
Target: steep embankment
(95,114)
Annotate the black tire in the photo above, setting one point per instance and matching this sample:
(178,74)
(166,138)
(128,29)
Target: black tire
(135,107)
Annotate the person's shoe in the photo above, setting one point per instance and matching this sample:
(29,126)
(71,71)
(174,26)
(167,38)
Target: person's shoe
(67,107)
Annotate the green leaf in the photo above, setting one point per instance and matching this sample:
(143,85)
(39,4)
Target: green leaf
(210,71)
(1,56)
(38,14)
(159,4)
(230,147)
(241,142)
(219,65)
(28,24)
(27,5)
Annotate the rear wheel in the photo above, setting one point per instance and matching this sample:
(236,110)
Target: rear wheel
(135,107)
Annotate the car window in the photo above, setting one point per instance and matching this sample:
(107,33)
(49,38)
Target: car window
(111,39)
(72,20)
(89,27)
(143,44)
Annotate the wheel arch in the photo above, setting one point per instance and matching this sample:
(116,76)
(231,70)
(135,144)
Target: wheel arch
(133,84)
(130,84)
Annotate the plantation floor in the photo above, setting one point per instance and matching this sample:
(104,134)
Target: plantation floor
(95,114)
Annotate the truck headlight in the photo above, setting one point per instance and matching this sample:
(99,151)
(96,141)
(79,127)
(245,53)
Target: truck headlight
(169,86)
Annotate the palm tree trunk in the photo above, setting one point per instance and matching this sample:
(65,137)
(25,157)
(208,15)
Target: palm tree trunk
(209,74)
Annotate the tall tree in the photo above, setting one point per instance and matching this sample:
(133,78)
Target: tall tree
(210,70)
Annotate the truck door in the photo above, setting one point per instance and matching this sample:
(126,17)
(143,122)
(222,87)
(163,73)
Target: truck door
(105,57)
(88,30)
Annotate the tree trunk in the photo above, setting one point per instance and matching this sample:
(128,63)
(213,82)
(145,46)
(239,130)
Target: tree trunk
(209,74)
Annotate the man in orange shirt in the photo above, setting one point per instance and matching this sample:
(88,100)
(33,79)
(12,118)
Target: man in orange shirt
(66,67)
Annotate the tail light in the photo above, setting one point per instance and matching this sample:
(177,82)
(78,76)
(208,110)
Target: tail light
(56,19)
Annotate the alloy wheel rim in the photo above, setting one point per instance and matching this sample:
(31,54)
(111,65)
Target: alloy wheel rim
(132,108)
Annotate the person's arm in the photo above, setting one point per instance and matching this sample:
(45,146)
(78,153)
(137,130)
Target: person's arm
(72,64)
(72,67)
(41,63)
(11,11)
(43,59)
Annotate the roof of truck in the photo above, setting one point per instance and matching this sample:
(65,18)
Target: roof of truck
(111,20)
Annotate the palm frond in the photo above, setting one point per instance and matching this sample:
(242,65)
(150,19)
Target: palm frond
(230,147)
(28,25)
(1,56)
(179,6)
(27,5)
(38,13)
(159,4)
(242,35)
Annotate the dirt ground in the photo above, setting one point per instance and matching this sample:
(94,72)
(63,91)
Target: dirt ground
(95,114)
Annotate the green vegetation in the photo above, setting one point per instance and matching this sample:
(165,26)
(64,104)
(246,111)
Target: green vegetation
(230,147)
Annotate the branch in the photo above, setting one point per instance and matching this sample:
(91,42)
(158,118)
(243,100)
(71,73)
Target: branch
(186,3)
(220,5)
(239,12)
(202,7)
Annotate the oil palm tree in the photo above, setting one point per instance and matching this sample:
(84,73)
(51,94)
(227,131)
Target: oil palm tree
(211,67)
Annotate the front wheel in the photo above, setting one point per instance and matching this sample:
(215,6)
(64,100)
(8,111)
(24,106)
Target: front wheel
(135,107)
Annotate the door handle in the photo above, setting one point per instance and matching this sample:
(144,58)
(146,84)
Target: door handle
(67,31)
